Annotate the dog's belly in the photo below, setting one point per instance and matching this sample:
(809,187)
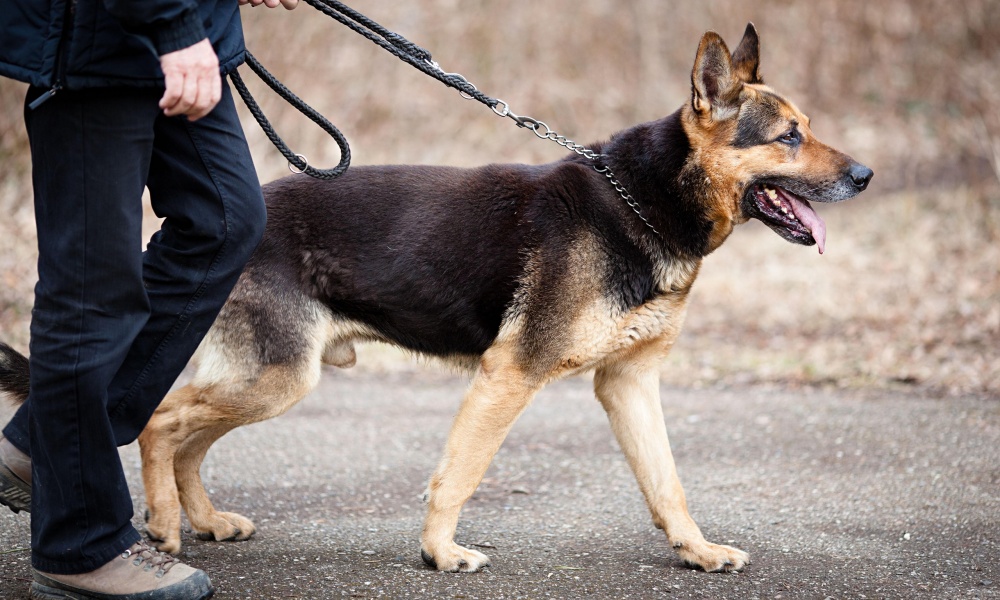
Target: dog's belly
(416,319)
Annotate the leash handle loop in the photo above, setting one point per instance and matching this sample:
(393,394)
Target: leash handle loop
(293,159)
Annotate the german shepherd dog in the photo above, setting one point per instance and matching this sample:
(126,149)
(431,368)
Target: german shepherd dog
(524,274)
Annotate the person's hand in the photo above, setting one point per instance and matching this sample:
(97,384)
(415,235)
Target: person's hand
(288,4)
(194,85)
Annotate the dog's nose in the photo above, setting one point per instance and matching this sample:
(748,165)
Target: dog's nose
(860,175)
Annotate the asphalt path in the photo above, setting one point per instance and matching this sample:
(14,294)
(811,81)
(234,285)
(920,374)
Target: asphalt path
(835,493)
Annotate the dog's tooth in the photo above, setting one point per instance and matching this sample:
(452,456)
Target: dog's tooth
(784,210)
(771,193)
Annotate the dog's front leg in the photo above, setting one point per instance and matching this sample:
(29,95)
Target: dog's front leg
(630,395)
(498,395)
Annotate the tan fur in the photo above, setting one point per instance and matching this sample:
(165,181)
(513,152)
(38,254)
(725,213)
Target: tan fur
(499,393)
(629,391)
(177,437)
(728,169)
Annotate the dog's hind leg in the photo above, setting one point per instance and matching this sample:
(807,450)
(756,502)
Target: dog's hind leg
(187,423)
(158,445)
(498,395)
(275,391)
(629,392)
(207,522)
(173,446)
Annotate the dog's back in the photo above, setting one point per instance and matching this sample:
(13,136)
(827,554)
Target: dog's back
(426,258)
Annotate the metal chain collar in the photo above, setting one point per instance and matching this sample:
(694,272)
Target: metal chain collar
(627,197)
(543,131)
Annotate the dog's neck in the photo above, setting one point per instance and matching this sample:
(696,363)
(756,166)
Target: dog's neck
(653,161)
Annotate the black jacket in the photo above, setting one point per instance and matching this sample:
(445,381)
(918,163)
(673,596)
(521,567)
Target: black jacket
(76,44)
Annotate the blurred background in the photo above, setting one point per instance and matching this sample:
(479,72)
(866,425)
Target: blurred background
(908,293)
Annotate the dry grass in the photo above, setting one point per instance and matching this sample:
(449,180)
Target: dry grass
(909,290)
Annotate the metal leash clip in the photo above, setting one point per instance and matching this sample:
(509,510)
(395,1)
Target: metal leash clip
(525,122)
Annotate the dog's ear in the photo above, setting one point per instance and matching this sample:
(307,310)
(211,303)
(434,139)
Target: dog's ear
(746,57)
(715,87)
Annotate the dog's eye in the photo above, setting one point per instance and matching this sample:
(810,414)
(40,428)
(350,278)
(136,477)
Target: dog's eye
(791,138)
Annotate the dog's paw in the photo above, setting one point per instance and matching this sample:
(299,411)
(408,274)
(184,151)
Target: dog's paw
(225,527)
(454,558)
(162,536)
(171,544)
(713,558)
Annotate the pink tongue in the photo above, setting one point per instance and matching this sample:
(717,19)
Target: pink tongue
(808,217)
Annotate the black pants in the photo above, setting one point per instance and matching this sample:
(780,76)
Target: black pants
(113,326)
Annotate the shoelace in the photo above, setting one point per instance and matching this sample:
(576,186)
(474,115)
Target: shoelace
(144,553)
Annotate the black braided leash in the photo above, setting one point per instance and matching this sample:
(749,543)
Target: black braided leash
(420,59)
(296,160)
(399,47)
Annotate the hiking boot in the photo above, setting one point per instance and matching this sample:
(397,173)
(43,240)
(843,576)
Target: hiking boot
(15,477)
(139,573)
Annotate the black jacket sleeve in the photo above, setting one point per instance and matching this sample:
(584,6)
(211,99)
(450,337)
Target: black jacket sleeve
(169,24)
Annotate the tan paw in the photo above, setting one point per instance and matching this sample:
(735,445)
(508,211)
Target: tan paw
(171,543)
(163,536)
(225,527)
(713,557)
(453,558)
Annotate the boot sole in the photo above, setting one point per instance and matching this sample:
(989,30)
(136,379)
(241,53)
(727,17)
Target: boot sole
(44,592)
(196,587)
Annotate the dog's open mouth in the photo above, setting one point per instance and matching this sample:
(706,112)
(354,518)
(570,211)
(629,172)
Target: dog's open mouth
(789,215)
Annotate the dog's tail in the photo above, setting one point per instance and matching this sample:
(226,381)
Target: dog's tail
(13,374)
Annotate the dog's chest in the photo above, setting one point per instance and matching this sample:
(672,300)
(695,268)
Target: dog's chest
(602,330)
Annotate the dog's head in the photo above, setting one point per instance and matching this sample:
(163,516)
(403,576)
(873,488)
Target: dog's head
(757,149)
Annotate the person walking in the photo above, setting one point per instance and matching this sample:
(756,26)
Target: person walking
(124,94)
